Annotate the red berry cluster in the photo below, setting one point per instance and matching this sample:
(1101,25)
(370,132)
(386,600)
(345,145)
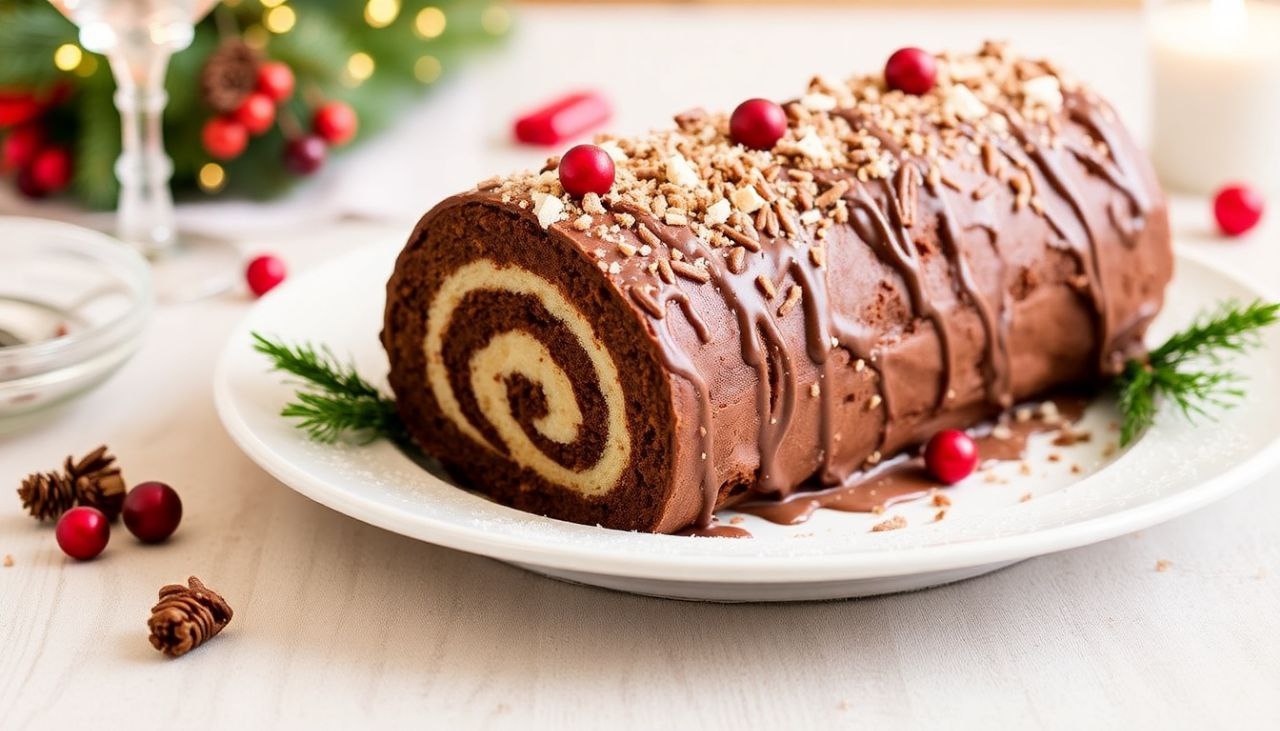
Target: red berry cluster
(227,136)
(333,123)
(152,511)
(43,167)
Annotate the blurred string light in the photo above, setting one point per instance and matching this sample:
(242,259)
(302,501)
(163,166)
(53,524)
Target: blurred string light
(427,69)
(67,57)
(87,66)
(359,67)
(381,13)
(495,20)
(211,177)
(272,3)
(280,19)
(256,37)
(430,22)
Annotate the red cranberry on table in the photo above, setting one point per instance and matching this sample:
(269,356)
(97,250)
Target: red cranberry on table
(224,137)
(586,169)
(275,79)
(152,511)
(758,124)
(1237,208)
(264,273)
(305,155)
(83,532)
(336,122)
(911,70)
(257,113)
(951,455)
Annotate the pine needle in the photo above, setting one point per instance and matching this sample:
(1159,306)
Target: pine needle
(1189,368)
(333,402)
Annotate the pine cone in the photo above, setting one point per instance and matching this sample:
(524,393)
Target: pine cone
(98,482)
(229,75)
(47,495)
(186,617)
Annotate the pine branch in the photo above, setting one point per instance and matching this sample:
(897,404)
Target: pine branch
(332,401)
(1188,368)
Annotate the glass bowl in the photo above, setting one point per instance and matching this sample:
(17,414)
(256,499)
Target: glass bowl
(73,305)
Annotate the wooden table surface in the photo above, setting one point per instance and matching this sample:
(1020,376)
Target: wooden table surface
(338,624)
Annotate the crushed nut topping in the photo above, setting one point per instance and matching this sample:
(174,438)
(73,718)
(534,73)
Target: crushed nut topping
(729,196)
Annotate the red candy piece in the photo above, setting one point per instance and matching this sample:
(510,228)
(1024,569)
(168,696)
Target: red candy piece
(758,124)
(83,532)
(257,113)
(336,122)
(152,511)
(911,70)
(224,137)
(275,79)
(263,274)
(586,169)
(1237,208)
(562,119)
(951,455)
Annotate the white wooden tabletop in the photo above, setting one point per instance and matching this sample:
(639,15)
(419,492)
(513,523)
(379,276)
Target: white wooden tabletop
(338,624)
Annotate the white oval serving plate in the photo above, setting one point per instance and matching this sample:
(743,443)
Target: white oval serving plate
(1058,498)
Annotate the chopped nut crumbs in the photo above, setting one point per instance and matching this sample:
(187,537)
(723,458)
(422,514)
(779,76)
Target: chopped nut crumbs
(839,133)
(897,522)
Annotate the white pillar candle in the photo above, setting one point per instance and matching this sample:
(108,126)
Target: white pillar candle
(1216,68)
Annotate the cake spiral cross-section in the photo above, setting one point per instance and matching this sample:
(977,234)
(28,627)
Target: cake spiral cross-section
(728,323)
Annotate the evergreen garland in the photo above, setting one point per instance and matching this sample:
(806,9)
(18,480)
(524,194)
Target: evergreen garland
(317,47)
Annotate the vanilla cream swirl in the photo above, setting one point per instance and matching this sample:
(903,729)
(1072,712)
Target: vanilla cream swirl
(516,352)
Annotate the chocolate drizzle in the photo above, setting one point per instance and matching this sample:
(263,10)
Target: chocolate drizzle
(905,478)
(995,325)
(894,245)
(1087,250)
(883,215)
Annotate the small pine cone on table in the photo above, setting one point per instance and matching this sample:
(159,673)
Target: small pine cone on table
(229,75)
(47,495)
(98,482)
(186,617)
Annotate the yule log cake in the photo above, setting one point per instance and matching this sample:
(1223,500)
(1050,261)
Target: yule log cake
(725,322)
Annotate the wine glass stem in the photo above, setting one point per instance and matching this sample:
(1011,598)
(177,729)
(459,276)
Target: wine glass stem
(145,215)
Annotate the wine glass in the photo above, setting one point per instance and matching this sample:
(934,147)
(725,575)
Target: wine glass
(138,37)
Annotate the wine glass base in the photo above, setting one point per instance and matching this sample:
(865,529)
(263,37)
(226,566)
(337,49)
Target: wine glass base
(195,268)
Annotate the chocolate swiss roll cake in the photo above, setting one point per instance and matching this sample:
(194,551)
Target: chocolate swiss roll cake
(729,323)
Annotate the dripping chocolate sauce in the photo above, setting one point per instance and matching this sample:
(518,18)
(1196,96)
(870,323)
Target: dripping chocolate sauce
(877,216)
(715,529)
(905,478)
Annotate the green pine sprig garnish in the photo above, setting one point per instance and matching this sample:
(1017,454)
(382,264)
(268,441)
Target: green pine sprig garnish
(333,401)
(1189,368)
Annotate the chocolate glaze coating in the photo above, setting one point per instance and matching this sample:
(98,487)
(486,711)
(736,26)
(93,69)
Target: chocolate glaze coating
(935,305)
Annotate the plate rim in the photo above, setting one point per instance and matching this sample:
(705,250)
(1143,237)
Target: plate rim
(725,568)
